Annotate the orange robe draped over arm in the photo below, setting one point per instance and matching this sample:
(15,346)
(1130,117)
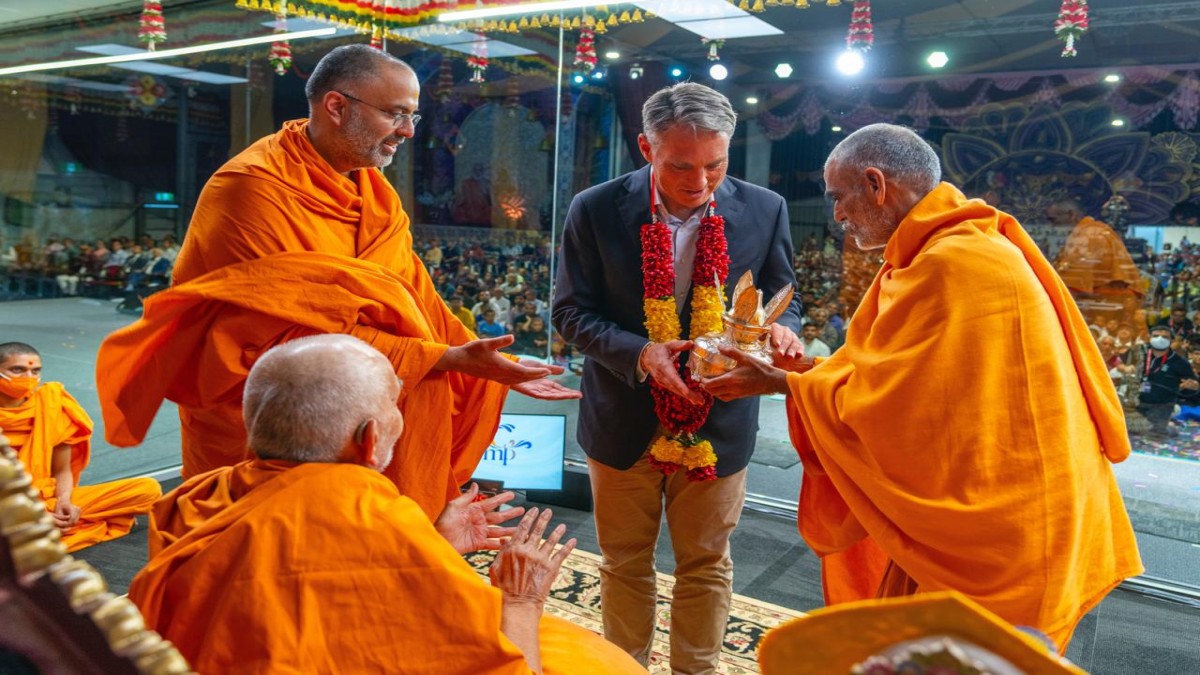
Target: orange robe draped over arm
(50,418)
(282,246)
(267,582)
(966,429)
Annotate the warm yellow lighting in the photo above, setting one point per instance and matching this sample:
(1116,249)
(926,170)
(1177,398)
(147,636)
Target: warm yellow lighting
(165,53)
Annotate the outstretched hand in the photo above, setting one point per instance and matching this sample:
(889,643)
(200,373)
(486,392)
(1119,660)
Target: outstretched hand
(750,377)
(471,525)
(660,361)
(482,358)
(526,566)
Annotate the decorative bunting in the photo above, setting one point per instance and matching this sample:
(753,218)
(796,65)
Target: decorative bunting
(151,27)
(1072,23)
(861,36)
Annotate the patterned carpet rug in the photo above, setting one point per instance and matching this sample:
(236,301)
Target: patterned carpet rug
(576,598)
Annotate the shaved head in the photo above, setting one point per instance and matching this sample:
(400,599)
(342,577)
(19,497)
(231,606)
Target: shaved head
(347,66)
(305,400)
(11,349)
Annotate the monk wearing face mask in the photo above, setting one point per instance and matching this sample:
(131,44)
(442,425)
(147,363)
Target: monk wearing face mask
(52,436)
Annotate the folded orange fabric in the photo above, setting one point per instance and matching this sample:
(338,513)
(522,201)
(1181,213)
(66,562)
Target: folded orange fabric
(966,429)
(50,418)
(197,341)
(266,583)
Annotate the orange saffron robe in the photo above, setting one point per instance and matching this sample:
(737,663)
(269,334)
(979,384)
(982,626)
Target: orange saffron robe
(282,246)
(50,418)
(966,429)
(327,568)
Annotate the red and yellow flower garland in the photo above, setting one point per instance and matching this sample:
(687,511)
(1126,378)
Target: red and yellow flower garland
(681,447)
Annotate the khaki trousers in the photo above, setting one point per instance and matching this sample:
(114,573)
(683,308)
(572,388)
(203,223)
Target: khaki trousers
(700,517)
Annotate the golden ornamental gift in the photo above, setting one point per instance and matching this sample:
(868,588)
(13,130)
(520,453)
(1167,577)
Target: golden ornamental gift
(747,329)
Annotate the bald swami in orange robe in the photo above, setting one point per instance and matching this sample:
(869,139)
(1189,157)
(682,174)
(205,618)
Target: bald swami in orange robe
(49,418)
(264,582)
(965,431)
(282,246)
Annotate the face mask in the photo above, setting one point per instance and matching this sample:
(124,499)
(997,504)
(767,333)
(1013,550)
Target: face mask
(1159,342)
(17,387)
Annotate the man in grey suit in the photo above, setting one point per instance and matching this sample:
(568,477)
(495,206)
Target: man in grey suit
(598,308)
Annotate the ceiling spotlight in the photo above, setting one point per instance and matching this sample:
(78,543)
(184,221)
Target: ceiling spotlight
(598,74)
(835,129)
(635,71)
(1112,78)
(718,72)
(937,59)
(751,100)
(677,72)
(1118,122)
(612,55)
(578,78)
(850,63)
(783,70)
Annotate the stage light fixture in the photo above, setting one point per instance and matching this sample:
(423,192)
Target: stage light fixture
(937,60)
(751,100)
(598,74)
(1112,78)
(635,71)
(1118,122)
(677,72)
(718,72)
(835,129)
(850,63)
(578,78)
(612,55)
(783,71)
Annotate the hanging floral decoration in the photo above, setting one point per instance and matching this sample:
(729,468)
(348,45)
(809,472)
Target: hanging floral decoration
(861,36)
(714,47)
(478,60)
(680,447)
(585,51)
(1072,23)
(280,55)
(151,28)
(443,89)
(377,37)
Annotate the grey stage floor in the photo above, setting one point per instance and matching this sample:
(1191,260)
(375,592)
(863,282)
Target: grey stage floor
(1127,633)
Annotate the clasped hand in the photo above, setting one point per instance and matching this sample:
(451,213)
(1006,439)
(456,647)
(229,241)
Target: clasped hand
(65,515)
(750,377)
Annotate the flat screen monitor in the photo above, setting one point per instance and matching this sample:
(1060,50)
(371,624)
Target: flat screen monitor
(527,453)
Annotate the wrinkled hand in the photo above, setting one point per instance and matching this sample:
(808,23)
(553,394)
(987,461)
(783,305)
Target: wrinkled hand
(474,526)
(750,377)
(659,360)
(526,566)
(482,358)
(65,515)
(785,341)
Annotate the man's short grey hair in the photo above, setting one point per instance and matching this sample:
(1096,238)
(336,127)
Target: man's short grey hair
(346,66)
(693,105)
(897,151)
(306,398)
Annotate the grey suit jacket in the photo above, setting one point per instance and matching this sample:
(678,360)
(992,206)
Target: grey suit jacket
(598,308)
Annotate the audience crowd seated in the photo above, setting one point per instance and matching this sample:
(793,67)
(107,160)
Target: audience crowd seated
(64,267)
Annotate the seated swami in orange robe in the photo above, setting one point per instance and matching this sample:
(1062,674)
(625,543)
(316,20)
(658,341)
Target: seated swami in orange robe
(962,438)
(321,565)
(52,436)
(297,235)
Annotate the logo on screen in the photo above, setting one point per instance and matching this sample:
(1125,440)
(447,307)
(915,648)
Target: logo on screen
(506,451)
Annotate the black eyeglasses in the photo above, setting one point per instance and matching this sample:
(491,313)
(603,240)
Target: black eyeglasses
(398,119)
